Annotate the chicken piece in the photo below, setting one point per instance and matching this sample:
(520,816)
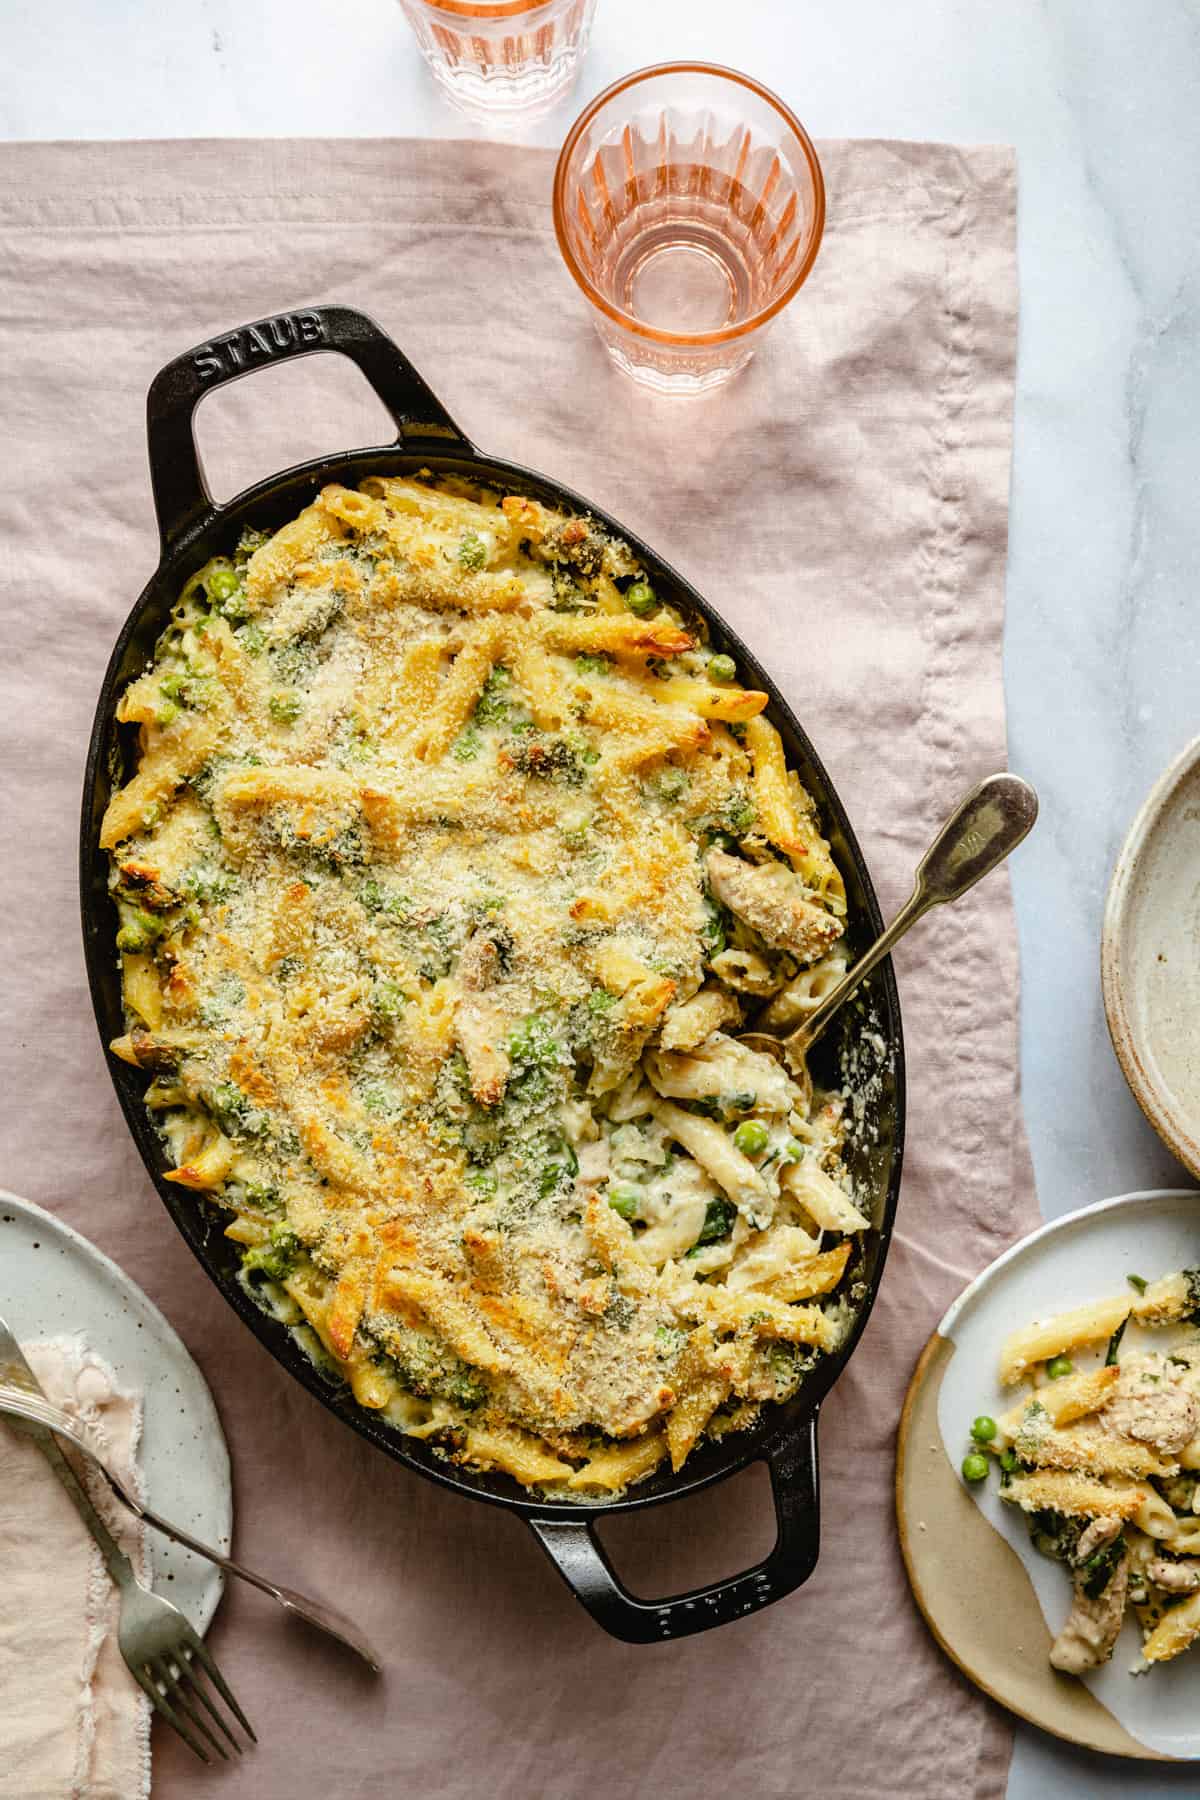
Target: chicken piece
(479,1023)
(479,1026)
(479,964)
(1174,1577)
(1094,1625)
(1151,1404)
(1094,1536)
(775,903)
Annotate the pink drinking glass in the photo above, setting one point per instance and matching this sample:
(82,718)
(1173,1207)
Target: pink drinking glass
(689,206)
(502,59)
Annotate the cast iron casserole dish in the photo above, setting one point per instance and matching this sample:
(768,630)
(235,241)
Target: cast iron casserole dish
(192,529)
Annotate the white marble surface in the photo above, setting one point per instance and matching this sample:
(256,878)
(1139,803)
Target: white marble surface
(1102,100)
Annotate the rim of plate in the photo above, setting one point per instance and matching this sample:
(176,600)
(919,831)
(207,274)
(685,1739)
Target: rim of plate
(1147,1088)
(205,1607)
(945,1325)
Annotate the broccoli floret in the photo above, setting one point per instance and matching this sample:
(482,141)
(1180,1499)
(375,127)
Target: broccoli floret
(277,1258)
(492,706)
(467,745)
(431,1368)
(1055,1534)
(1099,1569)
(234,1112)
(554,759)
(532,1044)
(719,1220)
(250,541)
(139,930)
(669,784)
(205,883)
(713,933)
(1192,1277)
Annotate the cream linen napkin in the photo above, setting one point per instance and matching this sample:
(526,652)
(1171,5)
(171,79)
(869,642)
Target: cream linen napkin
(73,1724)
(844,503)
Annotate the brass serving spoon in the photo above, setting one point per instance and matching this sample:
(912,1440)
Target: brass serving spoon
(981,831)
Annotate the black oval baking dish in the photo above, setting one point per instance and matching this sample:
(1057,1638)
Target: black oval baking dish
(192,529)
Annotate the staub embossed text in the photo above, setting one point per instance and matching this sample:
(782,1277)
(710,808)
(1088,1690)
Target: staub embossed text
(255,344)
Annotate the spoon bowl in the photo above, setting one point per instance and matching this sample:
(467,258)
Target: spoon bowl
(984,828)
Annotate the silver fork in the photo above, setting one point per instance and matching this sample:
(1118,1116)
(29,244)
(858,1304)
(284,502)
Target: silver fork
(20,1397)
(163,1654)
(18,1404)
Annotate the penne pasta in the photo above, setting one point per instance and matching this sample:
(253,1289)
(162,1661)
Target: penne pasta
(1096,1456)
(424,961)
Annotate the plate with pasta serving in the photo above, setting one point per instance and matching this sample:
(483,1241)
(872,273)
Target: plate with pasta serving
(438,844)
(1048,1477)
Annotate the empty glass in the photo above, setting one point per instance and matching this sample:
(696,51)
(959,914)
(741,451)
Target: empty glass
(689,206)
(502,59)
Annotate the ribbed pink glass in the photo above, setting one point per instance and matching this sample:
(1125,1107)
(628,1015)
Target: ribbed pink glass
(502,59)
(689,206)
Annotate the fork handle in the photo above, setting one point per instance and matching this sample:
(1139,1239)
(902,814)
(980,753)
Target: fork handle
(115,1559)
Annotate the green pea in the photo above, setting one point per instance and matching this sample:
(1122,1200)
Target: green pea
(171,686)
(792,1152)
(221,583)
(1058,1366)
(983,1429)
(722,668)
(625,1197)
(284,708)
(640,598)
(751,1137)
(975,1466)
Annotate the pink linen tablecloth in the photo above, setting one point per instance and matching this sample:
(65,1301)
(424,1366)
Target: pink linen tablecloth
(844,504)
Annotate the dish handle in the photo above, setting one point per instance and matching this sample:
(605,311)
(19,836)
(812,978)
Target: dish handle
(575,1551)
(181,495)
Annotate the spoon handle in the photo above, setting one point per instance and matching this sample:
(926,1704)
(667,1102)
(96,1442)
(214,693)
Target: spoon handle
(981,831)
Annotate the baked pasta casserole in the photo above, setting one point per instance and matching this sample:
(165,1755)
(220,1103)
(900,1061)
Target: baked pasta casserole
(452,861)
(1102,1454)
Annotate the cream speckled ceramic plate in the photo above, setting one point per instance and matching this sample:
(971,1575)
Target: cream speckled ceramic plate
(53,1283)
(992,1601)
(1150,958)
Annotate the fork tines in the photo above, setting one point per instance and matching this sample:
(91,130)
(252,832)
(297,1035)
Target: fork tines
(175,1683)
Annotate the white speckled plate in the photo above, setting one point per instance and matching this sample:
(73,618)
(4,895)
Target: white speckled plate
(1150,958)
(992,1601)
(54,1283)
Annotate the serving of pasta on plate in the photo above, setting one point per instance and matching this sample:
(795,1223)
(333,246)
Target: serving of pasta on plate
(1102,1454)
(452,863)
